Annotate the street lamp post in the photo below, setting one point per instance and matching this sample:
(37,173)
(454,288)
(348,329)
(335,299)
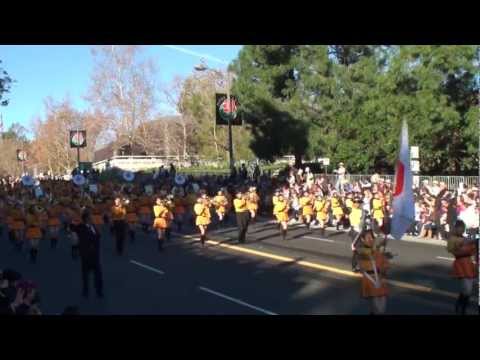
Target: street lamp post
(203,67)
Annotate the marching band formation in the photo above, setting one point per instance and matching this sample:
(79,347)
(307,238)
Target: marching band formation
(34,211)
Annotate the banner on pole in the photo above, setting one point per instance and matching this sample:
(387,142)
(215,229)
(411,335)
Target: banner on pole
(78,138)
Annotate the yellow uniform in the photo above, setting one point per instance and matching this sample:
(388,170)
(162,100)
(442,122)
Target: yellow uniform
(54,212)
(131,209)
(163,217)
(220,202)
(240,205)
(306,204)
(252,201)
(280,210)
(349,204)
(371,262)
(355,217)
(321,207)
(202,212)
(118,213)
(336,208)
(18,219)
(377,206)
(33,227)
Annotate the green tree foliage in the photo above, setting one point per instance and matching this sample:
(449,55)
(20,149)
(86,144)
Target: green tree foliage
(347,102)
(197,103)
(5,84)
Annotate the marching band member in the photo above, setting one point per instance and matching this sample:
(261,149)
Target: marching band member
(322,207)
(241,210)
(33,233)
(145,212)
(306,205)
(43,217)
(220,202)
(132,218)
(356,218)
(75,219)
(252,203)
(53,222)
(464,269)
(373,266)
(280,210)
(18,224)
(275,196)
(97,210)
(180,208)
(163,218)
(202,212)
(377,211)
(337,210)
(119,213)
(171,208)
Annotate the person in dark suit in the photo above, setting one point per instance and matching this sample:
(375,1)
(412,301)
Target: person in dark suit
(89,247)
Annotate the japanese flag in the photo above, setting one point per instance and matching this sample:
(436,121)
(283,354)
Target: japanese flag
(403,202)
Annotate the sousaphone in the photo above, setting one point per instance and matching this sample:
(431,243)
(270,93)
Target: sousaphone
(79,180)
(180,179)
(128,176)
(27,180)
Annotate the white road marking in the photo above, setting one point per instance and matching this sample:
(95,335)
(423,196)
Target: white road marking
(240,302)
(445,258)
(319,239)
(147,267)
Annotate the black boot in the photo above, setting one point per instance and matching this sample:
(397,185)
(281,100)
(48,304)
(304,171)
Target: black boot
(168,233)
(202,240)
(338,226)
(179,227)
(132,235)
(284,235)
(160,245)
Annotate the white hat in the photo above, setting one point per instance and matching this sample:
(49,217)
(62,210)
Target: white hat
(307,169)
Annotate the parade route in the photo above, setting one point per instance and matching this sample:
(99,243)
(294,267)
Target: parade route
(264,276)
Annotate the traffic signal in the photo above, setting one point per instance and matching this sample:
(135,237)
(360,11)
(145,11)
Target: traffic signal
(78,138)
(226,111)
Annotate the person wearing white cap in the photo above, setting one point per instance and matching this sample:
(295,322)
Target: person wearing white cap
(341,171)
(309,178)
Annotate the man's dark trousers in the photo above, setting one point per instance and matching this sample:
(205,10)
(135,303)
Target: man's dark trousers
(243,219)
(119,230)
(92,266)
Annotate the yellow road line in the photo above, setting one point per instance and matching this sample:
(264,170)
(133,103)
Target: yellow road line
(400,284)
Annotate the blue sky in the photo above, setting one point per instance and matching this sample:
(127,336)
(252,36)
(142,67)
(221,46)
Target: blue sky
(64,70)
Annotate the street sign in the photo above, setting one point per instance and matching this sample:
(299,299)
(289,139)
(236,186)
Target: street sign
(78,138)
(226,111)
(324,161)
(414,152)
(415,165)
(21,155)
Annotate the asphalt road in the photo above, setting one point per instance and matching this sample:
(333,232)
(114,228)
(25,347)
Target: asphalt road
(307,274)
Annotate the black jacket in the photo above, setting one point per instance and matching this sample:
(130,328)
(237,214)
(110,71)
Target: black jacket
(88,242)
